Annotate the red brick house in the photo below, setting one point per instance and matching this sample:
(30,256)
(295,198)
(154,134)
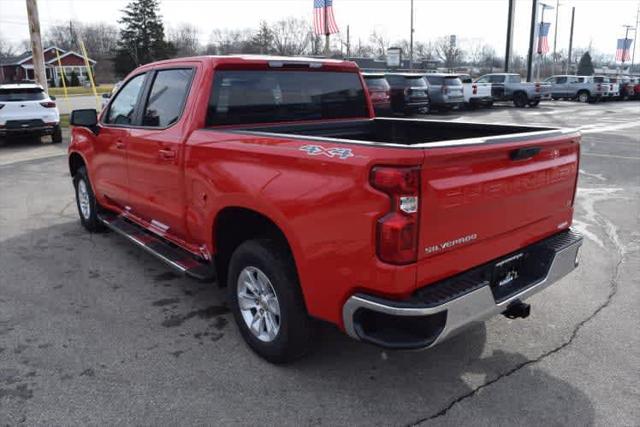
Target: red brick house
(20,68)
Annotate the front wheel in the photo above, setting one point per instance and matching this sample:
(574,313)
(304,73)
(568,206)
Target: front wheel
(86,202)
(534,103)
(583,97)
(266,301)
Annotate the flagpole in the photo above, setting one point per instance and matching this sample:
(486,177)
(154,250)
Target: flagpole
(635,42)
(326,32)
(624,46)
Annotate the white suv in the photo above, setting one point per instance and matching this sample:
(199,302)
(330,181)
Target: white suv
(25,108)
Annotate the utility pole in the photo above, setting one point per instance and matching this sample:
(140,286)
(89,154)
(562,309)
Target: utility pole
(36,44)
(555,36)
(411,40)
(635,43)
(327,47)
(573,16)
(509,49)
(532,36)
(348,44)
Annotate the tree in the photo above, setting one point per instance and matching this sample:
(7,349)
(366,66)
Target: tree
(585,66)
(448,52)
(379,43)
(142,38)
(225,42)
(6,50)
(262,40)
(291,36)
(185,40)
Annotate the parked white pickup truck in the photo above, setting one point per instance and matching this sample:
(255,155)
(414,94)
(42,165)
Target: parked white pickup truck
(475,94)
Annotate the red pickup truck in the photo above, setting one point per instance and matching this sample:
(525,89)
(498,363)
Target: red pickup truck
(273,176)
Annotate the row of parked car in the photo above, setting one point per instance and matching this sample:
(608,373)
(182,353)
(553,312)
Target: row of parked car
(409,93)
(594,88)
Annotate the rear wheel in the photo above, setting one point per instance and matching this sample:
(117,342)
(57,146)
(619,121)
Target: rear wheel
(266,301)
(56,136)
(583,96)
(520,99)
(86,201)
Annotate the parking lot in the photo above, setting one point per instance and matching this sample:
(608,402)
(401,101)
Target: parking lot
(94,329)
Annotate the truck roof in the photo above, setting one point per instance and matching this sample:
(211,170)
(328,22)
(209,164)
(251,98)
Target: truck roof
(268,60)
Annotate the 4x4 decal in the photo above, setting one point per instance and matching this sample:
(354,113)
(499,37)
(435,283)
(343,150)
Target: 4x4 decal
(318,150)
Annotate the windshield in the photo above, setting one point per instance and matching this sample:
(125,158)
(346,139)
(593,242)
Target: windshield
(277,96)
(22,94)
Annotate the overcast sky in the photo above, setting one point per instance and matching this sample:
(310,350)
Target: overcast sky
(597,21)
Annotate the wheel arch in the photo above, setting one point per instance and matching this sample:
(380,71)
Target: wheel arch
(76,161)
(233,225)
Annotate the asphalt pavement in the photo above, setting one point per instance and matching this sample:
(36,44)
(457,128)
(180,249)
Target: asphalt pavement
(94,331)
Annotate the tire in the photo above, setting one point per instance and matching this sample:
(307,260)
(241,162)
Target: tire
(284,330)
(56,136)
(88,207)
(520,99)
(535,103)
(583,96)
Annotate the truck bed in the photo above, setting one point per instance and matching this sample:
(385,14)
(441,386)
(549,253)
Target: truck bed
(415,133)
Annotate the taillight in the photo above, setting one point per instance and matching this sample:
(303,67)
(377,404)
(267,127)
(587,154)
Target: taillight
(397,231)
(537,87)
(48,104)
(599,87)
(474,88)
(445,89)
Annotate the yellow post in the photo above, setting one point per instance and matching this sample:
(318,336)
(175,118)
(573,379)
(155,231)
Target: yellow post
(64,79)
(90,74)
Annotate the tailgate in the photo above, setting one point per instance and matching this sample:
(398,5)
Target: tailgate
(480,202)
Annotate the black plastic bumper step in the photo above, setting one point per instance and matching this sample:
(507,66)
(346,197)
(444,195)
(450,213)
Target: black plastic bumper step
(180,260)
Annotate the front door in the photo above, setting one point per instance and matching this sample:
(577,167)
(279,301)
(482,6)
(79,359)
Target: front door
(156,154)
(109,168)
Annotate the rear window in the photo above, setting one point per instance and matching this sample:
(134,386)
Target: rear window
(435,80)
(22,94)
(599,80)
(466,79)
(376,83)
(415,82)
(452,81)
(276,96)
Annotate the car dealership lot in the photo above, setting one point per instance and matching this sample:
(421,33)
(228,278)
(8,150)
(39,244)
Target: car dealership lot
(92,329)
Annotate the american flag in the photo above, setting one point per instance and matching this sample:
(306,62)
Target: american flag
(623,50)
(543,42)
(319,24)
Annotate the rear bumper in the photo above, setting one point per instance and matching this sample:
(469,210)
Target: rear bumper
(27,127)
(441,310)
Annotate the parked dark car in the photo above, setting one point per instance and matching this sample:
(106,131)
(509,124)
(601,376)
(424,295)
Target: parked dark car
(409,93)
(445,91)
(379,92)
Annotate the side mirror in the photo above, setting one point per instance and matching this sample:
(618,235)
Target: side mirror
(106,95)
(86,118)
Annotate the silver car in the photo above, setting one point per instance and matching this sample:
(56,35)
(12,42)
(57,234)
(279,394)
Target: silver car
(581,88)
(445,91)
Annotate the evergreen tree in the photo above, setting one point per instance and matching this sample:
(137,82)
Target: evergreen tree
(585,66)
(142,38)
(262,40)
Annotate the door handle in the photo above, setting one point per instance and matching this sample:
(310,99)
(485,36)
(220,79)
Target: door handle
(166,154)
(120,144)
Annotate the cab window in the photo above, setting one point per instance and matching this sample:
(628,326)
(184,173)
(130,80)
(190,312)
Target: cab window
(123,105)
(166,98)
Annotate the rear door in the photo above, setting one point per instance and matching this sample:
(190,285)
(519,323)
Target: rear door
(483,201)
(156,153)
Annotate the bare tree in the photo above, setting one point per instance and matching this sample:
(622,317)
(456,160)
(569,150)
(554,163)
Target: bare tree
(100,39)
(225,42)
(361,50)
(291,36)
(6,49)
(379,42)
(448,52)
(423,50)
(185,39)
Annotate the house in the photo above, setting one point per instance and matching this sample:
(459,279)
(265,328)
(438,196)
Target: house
(20,68)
